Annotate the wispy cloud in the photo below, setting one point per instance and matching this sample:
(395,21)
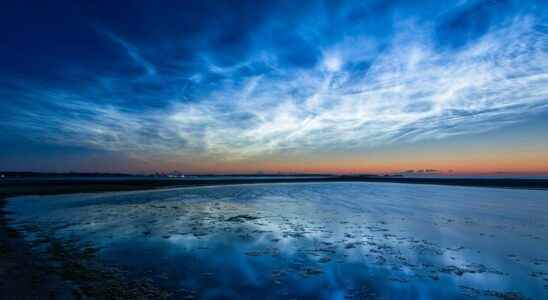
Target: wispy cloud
(132,51)
(411,91)
(357,96)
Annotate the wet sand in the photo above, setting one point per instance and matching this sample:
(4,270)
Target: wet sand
(37,278)
(26,274)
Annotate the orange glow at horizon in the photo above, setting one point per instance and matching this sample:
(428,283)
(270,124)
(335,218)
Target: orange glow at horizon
(533,164)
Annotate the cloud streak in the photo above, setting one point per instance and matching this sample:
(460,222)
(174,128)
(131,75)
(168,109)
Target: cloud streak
(132,51)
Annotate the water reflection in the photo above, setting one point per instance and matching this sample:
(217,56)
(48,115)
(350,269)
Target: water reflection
(328,240)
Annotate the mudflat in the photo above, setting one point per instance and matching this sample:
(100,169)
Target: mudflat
(289,238)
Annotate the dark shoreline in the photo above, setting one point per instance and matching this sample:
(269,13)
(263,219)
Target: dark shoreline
(26,276)
(61,185)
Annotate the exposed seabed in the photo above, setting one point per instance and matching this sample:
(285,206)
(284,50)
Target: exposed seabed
(308,240)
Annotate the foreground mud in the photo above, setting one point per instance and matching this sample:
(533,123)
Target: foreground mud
(50,268)
(331,241)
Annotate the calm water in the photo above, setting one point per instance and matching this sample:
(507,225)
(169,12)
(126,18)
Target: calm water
(316,241)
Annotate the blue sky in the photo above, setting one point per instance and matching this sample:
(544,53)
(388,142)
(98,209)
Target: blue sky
(253,85)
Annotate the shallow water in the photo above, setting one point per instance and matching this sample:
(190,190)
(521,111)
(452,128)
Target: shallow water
(314,240)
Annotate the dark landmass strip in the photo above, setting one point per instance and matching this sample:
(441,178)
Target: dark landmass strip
(9,174)
(65,175)
(54,184)
(24,275)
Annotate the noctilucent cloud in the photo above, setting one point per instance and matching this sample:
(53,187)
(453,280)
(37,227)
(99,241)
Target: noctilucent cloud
(244,86)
